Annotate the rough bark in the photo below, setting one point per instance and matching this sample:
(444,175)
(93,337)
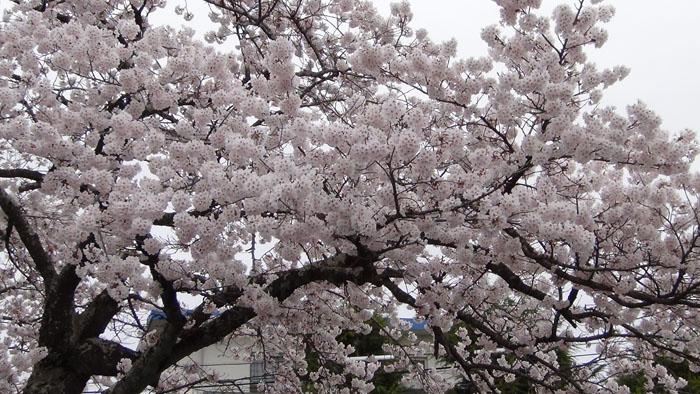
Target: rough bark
(54,375)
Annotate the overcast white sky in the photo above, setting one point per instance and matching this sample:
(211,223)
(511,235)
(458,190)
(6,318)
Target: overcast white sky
(658,40)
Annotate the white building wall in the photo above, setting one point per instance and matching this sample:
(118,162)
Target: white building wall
(217,359)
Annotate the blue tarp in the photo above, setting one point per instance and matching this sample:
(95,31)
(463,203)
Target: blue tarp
(416,325)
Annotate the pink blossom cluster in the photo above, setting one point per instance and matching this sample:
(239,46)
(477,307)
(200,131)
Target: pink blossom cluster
(329,166)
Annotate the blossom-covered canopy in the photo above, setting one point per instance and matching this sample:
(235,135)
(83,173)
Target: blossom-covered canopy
(313,163)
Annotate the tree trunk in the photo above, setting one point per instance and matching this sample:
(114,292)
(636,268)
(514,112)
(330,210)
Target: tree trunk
(53,375)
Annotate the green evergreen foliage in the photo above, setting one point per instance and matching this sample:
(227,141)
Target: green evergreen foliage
(636,381)
(365,345)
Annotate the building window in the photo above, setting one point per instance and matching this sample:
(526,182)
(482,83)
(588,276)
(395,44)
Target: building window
(261,372)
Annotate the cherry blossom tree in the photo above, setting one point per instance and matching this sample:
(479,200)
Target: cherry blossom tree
(312,163)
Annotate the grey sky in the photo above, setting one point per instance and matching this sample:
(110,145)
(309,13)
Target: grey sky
(658,40)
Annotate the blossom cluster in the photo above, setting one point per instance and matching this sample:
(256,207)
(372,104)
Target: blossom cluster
(332,166)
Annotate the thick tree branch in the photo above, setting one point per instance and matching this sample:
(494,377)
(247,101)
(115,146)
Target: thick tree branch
(29,237)
(22,173)
(97,356)
(95,318)
(336,270)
